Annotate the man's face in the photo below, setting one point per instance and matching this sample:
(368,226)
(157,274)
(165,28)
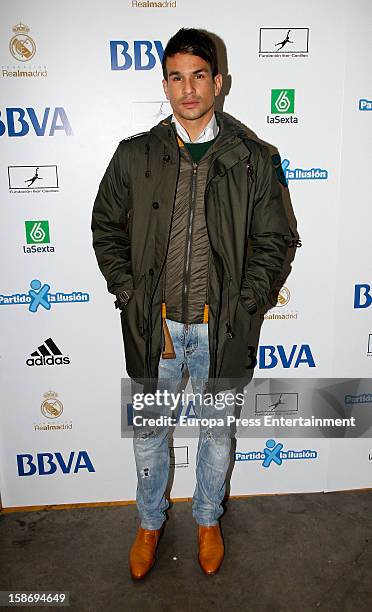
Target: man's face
(190,87)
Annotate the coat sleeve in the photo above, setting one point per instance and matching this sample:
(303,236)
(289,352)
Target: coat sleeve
(269,236)
(109,226)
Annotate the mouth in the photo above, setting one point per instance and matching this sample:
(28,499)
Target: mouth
(190,103)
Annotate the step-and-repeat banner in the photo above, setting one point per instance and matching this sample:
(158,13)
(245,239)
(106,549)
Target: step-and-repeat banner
(74,83)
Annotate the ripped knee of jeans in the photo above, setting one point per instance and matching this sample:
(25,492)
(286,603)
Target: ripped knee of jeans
(145,435)
(217,434)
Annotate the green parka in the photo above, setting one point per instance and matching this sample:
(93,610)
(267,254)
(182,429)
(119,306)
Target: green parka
(131,224)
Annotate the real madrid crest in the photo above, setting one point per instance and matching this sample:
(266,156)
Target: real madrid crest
(280,296)
(51,406)
(283,297)
(21,46)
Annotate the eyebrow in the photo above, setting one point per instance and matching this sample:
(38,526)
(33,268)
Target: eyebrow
(178,73)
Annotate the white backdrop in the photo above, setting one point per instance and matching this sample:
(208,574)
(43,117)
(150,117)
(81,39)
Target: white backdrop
(51,164)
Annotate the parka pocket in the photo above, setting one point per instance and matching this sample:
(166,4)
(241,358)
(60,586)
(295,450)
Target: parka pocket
(130,222)
(134,311)
(239,320)
(243,318)
(127,222)
(134,342)
(141,295)
(243,304)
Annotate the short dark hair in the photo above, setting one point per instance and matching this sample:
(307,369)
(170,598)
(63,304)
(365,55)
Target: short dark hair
(195,42)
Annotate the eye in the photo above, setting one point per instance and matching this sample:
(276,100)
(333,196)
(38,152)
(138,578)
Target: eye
(176,78)
(200,76)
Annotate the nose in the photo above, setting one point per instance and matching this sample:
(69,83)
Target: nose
(188,85)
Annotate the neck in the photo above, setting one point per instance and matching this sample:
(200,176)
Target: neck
(195,127)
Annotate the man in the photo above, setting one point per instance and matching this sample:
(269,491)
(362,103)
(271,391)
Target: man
(171,224)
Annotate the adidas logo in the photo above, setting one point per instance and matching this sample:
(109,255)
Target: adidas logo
(47,353)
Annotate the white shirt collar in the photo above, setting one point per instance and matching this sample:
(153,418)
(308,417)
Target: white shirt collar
(209,133)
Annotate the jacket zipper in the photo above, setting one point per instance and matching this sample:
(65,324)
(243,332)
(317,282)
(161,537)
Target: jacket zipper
(188,244)
(229,330)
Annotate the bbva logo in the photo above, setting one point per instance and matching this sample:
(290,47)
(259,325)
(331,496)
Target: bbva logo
(19,121)
(46,464)
(270,356)
(362,296)
(144,54)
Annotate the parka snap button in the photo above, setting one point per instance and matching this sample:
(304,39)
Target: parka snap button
(151,272)
(155,204)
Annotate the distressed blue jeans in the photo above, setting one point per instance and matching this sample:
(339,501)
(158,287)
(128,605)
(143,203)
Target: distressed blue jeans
(151,449)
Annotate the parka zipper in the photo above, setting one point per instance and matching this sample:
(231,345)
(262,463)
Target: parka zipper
(188,244)
(229,330)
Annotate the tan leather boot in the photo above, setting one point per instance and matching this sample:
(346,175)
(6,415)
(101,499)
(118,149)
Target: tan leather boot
(211,549)
(143,552)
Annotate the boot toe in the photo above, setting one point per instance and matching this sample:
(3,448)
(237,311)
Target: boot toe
(143,552)
(211,549)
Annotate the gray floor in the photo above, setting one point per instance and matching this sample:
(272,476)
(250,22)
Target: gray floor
(289,553)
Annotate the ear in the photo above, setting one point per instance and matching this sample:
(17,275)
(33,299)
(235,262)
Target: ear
(217,84)
(165,87)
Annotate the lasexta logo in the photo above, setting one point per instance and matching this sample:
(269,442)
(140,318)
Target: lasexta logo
(38,236)
(37,232)
(282,101)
